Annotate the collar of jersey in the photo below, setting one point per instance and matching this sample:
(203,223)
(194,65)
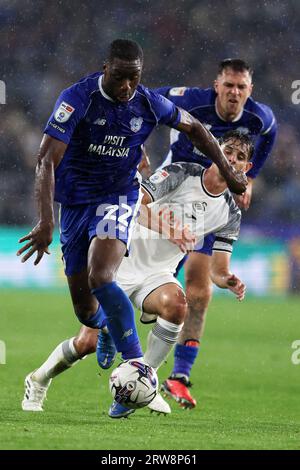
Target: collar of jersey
(105,95)
(204,188)
(222,119)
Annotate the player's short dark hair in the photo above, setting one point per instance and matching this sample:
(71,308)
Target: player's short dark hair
(242,137)
(238,65)
(125,49)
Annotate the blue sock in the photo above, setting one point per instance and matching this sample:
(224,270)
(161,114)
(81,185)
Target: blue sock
(98,320)
(185,356)
(120,319)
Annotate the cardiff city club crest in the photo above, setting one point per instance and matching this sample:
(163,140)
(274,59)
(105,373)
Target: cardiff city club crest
(136,124)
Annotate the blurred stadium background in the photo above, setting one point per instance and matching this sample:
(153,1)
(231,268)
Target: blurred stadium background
(46,46)
(248,385)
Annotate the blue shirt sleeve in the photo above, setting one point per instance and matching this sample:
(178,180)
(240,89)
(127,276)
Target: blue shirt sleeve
(185,98)
(264,143)
(164,110)
(164,91)
(69,109)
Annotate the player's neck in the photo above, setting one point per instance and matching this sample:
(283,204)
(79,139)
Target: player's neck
(106,91)
(213,181)
(223,115)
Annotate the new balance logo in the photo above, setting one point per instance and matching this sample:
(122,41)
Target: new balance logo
(127,333)
(100,122)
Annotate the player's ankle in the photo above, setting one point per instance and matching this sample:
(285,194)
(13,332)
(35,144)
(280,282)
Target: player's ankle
(182,377)
(40,379)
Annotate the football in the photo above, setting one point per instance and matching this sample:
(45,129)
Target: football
(133,384)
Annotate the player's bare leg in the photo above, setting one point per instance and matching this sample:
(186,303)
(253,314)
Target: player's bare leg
(104,259)
(91,314)
(169,303)
(67,353)
(198,292)
(198,288)
(84,302)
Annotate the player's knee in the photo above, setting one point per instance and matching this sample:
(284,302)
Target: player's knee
(99,277)
(86,341)
(174,310)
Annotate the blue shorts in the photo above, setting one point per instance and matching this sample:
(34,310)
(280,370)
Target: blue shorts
(113,218)
(206,249)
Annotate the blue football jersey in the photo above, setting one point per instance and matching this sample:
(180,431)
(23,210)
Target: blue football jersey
(256,119)
(104,139)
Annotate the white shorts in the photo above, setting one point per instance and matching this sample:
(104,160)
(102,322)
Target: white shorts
(138,292)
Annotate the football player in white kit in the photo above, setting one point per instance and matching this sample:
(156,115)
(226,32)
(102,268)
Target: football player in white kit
(181,192)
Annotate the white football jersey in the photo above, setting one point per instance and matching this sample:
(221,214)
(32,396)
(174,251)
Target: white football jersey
(178,194)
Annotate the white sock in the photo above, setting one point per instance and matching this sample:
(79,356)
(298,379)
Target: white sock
(161,340)
(63,357)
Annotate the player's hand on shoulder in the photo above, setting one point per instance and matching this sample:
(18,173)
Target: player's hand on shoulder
(38,239)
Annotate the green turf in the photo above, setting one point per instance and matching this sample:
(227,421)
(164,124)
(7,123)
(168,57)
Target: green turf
(245,383)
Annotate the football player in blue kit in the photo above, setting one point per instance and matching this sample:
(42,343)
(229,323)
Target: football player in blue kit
(226,106)
(88,162)
(147,275)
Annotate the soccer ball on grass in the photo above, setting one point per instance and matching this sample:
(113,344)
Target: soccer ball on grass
(133,384)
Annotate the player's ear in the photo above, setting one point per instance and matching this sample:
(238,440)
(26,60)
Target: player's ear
(249,165)
(216,85)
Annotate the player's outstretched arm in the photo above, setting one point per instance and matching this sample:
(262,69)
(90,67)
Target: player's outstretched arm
(222,277)
(40,237)
(207,144)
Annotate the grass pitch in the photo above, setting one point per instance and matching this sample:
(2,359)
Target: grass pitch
(244,381)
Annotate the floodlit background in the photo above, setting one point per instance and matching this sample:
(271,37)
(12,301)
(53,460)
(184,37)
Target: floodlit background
(47,45)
